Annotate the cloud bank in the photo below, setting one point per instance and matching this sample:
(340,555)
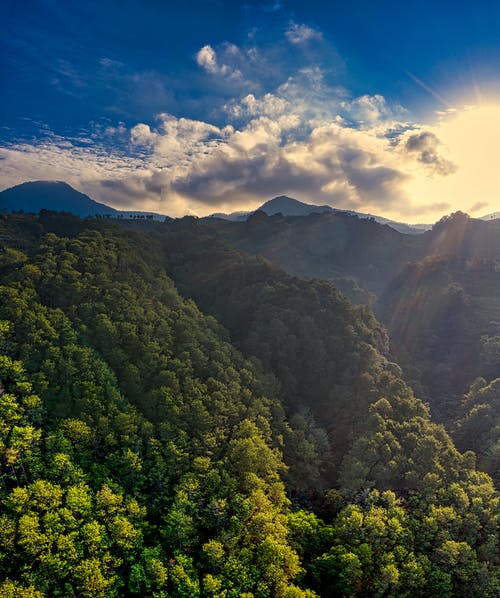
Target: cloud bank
(303,138)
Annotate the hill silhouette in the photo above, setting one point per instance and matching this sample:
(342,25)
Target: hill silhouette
(51,195)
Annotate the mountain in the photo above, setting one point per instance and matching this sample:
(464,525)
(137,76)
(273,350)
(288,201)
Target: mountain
(291,207)
(233,216)
(288,206)
(58,196)
(51,195)
(336,244)
(492,216)
(358,254)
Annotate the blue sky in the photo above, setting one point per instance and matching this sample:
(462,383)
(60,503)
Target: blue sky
(208,105)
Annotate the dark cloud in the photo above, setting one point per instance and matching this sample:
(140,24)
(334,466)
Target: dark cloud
(232,181)
(424,145)
(349,177)
(379,184)
(128,193)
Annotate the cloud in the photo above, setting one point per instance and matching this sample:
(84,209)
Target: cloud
(479,205)
(250,106)
(306,95)
(298,33)
(207,58)
(141,134)
(368,109)
(283,144)
(109,63)
(336,164)
(283,127)
(270,55)
(424,144)
(181,164)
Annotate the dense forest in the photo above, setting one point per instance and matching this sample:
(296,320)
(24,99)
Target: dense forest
(437,293)
(180,418)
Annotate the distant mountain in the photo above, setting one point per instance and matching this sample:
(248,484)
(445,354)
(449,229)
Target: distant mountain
(338,245)
(233,216)
(288,206)
(402,227)
(291,207)
(333,245)
(492,216)
(58,196)
(51,195)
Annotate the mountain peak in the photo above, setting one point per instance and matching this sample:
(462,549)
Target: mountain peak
(44,184)
(289,206)
(59,196)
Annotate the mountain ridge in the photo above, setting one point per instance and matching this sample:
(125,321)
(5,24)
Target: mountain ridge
(59,196)
(55,195)
(288,206)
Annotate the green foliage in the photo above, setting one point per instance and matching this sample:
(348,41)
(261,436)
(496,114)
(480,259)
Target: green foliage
(325,352)
(479,427)
(145,450)
(155,436)
(384,546)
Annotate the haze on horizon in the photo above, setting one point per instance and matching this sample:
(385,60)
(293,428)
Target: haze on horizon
(220,106)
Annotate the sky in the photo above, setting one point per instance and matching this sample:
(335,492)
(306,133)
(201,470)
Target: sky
(391,108)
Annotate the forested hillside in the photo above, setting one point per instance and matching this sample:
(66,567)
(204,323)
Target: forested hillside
(443,314)
(437,293)
(359,255)
(181,419)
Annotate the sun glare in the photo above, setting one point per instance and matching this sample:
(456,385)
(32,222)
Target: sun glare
(471,140)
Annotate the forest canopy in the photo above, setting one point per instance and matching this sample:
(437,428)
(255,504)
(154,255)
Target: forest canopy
(178,418)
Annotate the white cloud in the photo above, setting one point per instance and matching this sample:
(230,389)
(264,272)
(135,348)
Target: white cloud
(207,58)
(368,109)
(141,134)
(182,165)
(298,33)
(249,106)
(302,137)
